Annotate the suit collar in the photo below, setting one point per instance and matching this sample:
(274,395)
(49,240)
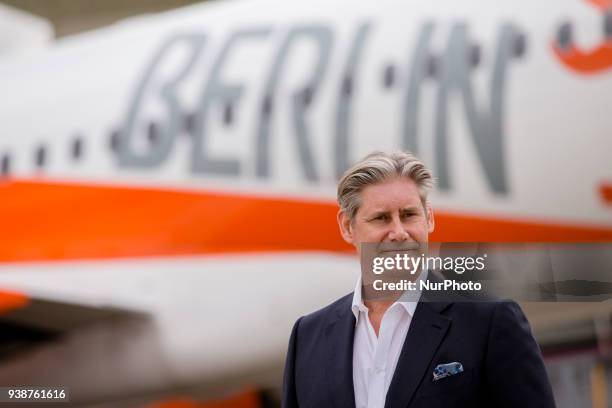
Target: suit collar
(409,306)
(339,335)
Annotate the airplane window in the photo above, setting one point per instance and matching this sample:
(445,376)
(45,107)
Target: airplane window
(474,55)
(189,122)
(347,86)
(77,148)
(432,66)
(520,43)
(40,156)
(389,76)
(608,25)
(153,132)
(266,108)
(5,165)
(307,94)
(114,141)
(228,114)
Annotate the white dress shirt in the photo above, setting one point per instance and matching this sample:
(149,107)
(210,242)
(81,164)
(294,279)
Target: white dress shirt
(375,358)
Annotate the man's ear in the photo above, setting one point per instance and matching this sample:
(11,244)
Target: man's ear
(431,224)
(346,229)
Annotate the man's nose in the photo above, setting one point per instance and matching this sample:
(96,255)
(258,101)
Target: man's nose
(398,232)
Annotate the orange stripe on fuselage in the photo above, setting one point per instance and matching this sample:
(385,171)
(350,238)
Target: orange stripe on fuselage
(464,228)
(43,221)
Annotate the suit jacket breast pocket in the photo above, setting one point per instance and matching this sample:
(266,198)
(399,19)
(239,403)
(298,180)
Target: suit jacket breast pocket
(453,384)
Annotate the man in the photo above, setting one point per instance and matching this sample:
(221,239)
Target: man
(364,353)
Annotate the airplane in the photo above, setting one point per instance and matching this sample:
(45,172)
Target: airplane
(167,183)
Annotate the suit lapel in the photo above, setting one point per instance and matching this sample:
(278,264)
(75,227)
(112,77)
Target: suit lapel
(427,330)
(339,343)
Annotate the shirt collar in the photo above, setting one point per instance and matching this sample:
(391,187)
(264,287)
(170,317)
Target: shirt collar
(358,305)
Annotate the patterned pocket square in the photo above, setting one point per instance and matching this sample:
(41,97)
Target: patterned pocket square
(446,370)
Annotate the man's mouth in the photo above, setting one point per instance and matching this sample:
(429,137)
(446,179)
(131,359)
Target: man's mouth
(394,247)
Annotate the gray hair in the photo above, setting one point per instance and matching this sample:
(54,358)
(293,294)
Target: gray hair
(377,167)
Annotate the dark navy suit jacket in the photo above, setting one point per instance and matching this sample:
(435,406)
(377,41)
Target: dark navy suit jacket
(492,340)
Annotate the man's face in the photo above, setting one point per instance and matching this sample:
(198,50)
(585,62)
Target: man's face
(391,211)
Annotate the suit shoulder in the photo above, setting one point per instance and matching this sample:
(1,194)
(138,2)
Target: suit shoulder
(328,312)
(487,309)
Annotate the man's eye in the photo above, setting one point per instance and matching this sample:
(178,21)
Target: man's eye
(382,217)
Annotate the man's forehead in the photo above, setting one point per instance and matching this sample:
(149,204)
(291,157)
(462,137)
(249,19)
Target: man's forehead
(393,184)
(397,192)
(391,206)
(377,203)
